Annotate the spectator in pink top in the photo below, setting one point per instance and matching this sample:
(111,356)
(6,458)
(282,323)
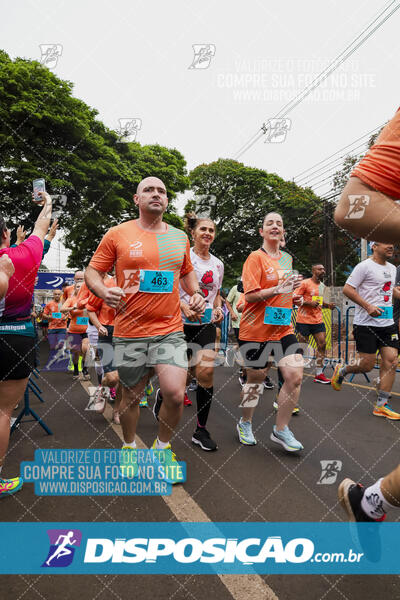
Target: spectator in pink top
(17,335)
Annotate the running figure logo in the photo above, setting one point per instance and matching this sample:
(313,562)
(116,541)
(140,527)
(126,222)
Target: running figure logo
(276,130)
(62,547)
(50,54)
(203,53)
(357,206)
(330,470)
(128,129)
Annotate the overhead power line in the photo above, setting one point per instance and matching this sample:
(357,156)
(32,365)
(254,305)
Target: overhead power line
(362,37)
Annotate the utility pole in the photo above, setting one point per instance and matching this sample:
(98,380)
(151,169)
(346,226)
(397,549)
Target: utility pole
(328,243)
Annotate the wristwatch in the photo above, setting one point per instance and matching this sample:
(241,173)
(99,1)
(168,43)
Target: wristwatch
(199,292)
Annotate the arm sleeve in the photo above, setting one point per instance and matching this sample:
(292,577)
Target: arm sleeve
(357,275)
(29,250)
(302,289)
(94,303)
(83,295)
(251,275)
(187,266)
(105,256)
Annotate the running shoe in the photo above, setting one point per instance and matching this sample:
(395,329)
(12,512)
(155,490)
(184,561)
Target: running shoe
(337,379)
(286,439)
(192,387)
(157,404)
(168,465)
(202,438)
(321,379)
(10,486)
(113,394)
(128,466)
(268,383)
(350,495)
(148,390)
(364,530)
(245,432)
(86,374)
(143,402)
(295,411)
(75,375)
(386,411)
(186,400)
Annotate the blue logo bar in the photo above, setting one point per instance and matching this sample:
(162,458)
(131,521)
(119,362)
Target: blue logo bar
(200,548)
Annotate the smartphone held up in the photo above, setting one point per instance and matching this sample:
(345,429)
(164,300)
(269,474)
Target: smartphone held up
(38,186)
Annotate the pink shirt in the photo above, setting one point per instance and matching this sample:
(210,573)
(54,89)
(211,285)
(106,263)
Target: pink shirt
(26,259)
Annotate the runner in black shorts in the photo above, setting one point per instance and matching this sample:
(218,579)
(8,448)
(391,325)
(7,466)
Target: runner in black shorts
(200,337)
(371,287)
(17,334)
(265,328)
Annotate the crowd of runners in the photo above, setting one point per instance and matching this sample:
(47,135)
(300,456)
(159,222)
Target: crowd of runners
(148,305)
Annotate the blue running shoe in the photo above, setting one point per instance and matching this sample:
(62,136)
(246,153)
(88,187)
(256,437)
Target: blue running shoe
(245,432)
(286,439)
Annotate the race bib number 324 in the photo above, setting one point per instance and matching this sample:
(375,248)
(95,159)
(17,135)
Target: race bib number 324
(277,315)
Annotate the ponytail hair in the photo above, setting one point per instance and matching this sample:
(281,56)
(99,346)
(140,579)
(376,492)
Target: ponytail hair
(191,221)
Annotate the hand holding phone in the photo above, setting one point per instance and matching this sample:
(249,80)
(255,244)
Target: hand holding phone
(38,186)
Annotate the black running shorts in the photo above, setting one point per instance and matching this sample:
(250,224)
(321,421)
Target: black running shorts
(256,355)
(370,339)
(17,356)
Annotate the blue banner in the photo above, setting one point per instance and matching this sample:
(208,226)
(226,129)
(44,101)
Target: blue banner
(52,281)
(199,548)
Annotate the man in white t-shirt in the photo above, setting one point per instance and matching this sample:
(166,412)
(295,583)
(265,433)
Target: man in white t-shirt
(371,286)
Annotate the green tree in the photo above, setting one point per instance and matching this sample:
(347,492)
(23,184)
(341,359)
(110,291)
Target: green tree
(46,132)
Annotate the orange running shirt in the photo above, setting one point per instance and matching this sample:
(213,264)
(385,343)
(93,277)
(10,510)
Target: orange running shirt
(68,291)
(52,307)
(260,272)
(380,167)
(105,313)
(131,249)
(310,291)
(73,325)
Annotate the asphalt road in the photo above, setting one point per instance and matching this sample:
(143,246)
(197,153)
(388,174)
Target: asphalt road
(236,483)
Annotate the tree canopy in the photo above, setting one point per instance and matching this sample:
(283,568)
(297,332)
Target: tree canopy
(46,132)
(238,197)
